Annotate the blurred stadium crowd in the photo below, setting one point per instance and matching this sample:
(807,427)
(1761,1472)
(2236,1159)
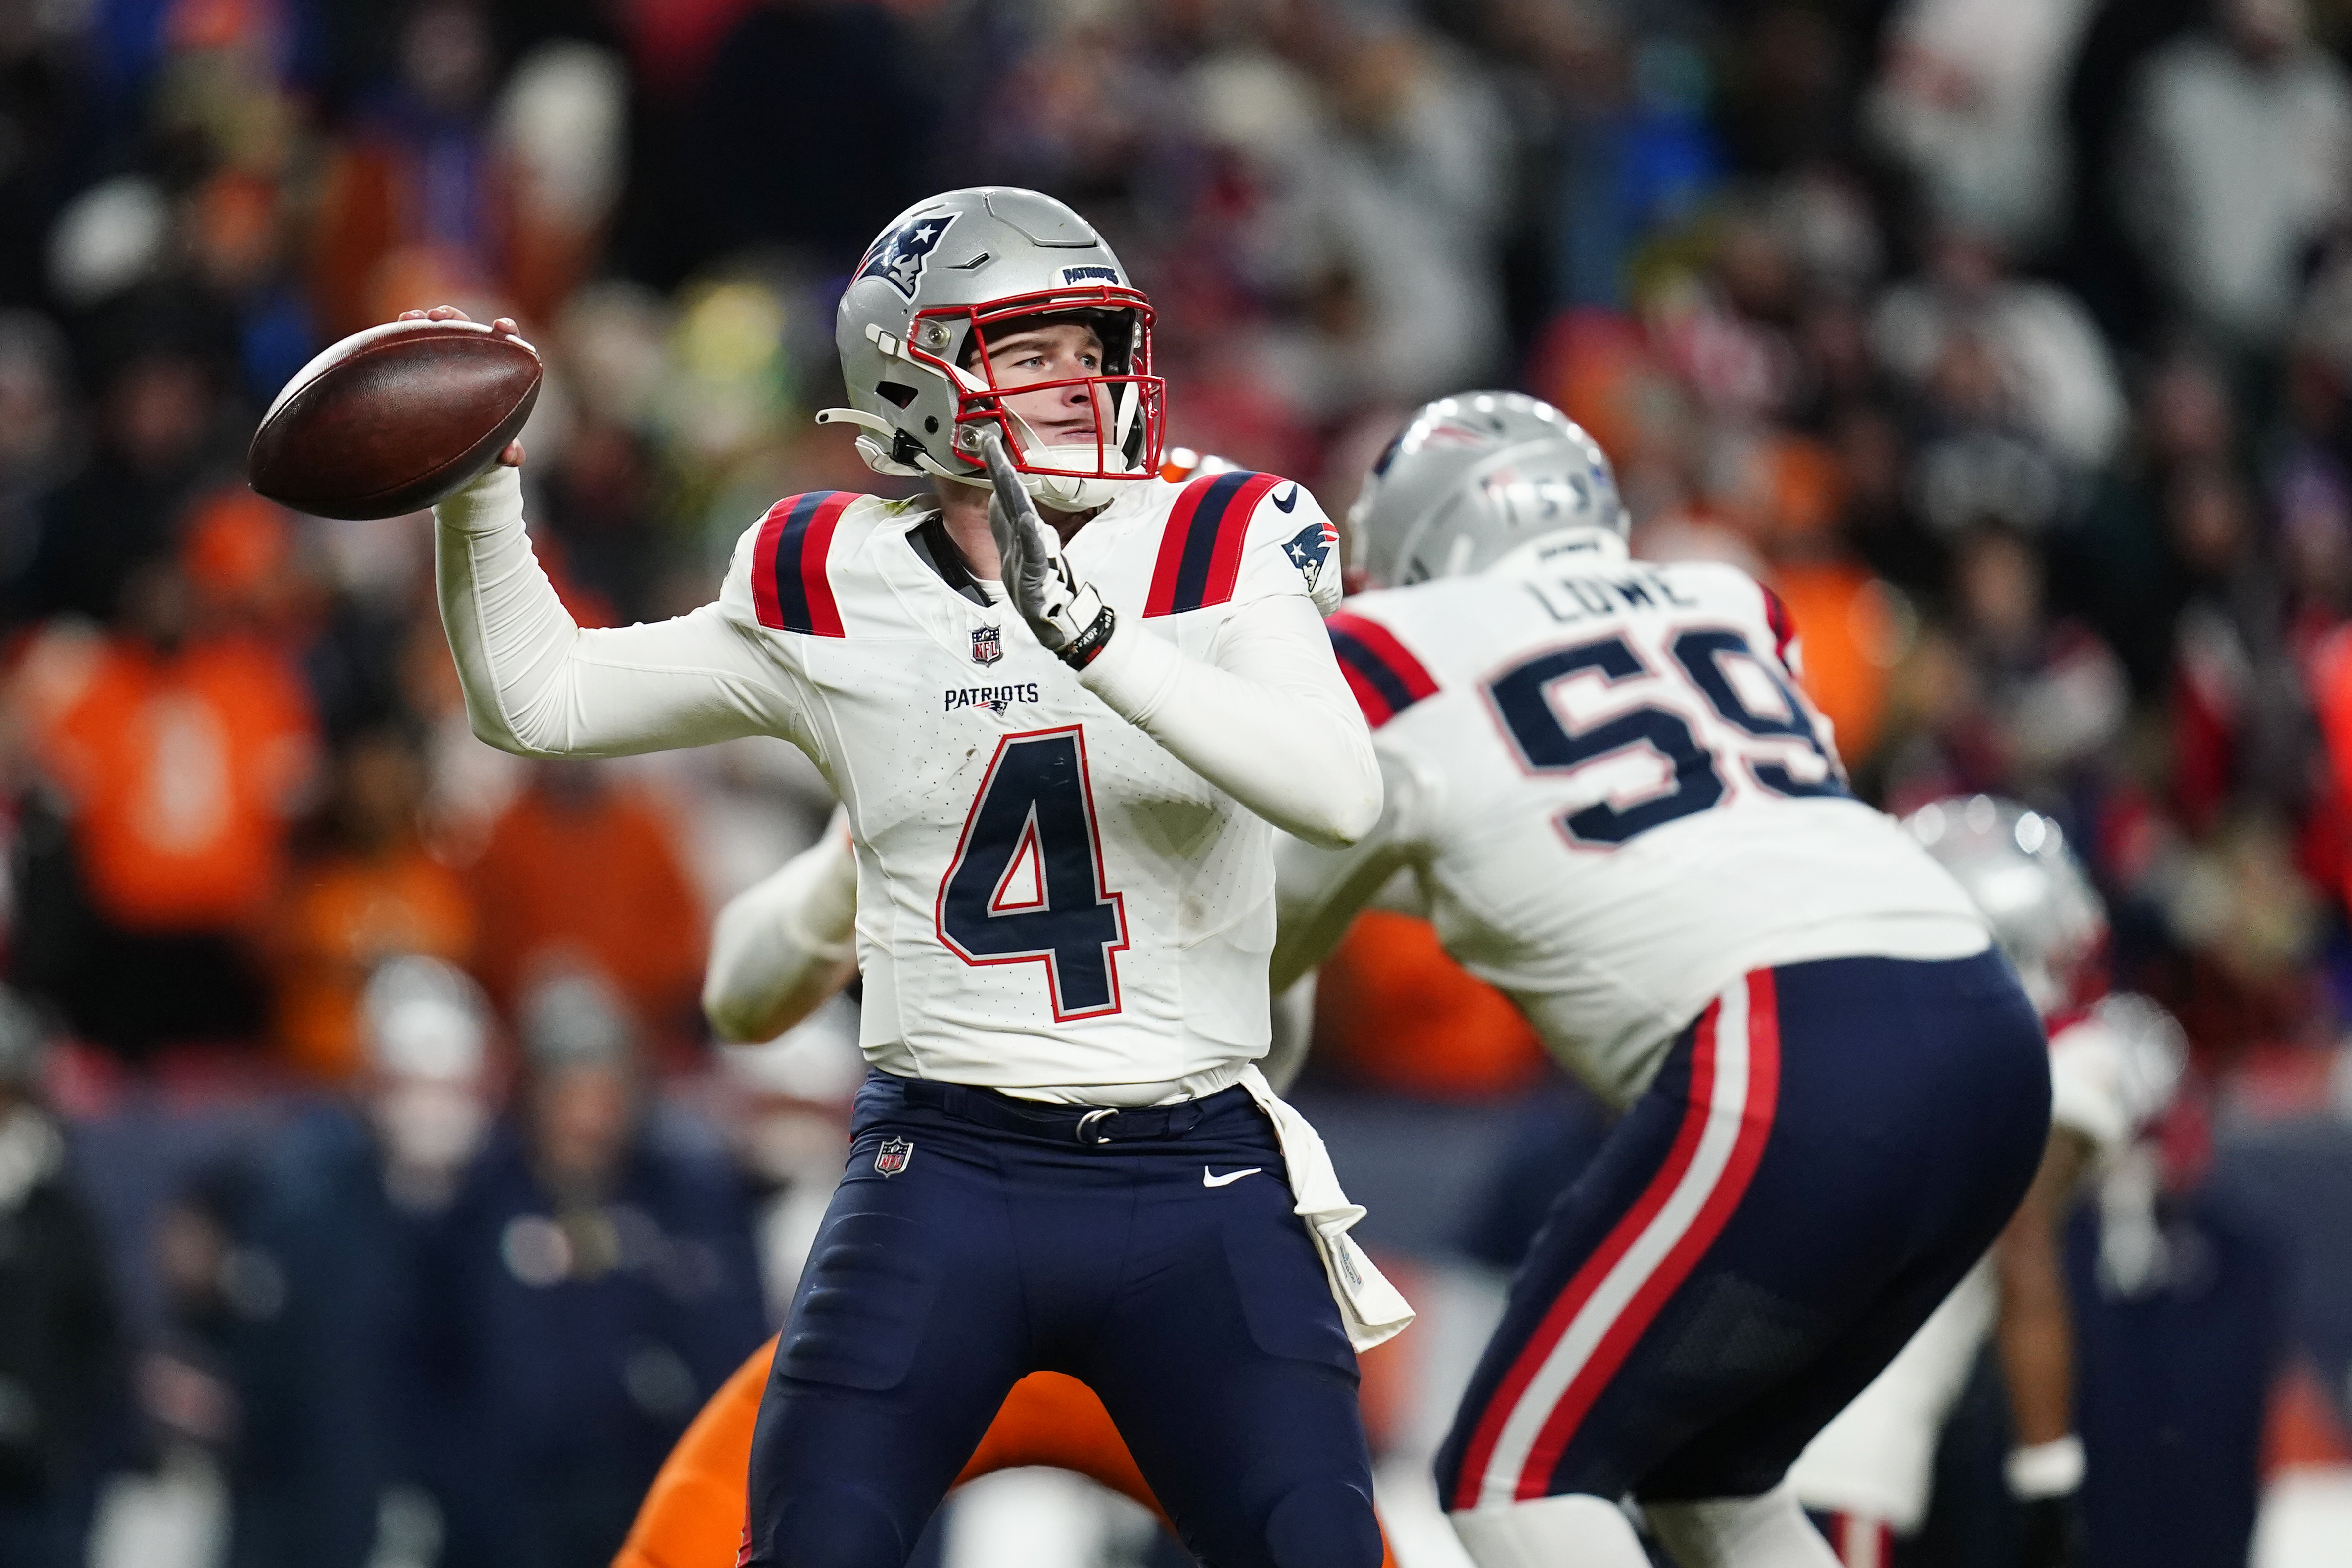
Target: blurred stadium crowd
(2010,340)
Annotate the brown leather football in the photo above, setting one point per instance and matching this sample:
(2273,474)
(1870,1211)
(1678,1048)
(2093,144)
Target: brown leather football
(392,419)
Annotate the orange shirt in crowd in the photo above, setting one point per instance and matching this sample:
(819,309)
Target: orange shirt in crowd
(1846,617)
(1393,1010)
(182,770)
(344,915)
(579,870)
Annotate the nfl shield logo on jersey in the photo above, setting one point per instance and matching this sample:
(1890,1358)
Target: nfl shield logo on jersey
(892,1157)
(987,645)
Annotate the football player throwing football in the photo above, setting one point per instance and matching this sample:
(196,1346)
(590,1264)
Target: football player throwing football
(1065,714)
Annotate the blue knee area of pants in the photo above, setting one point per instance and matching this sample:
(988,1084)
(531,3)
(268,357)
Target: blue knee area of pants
(833,1526)
(1323,1524)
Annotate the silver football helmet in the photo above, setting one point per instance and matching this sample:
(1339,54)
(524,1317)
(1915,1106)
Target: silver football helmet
(929,293)
(1471,478)
(2013,862)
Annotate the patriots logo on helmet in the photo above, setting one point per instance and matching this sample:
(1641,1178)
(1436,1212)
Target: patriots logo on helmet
(1456,433)
(987,645)
(1310,547)
(892,1157)
(898,256)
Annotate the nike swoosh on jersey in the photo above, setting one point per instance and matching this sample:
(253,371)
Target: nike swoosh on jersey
(1208,1181)
(1290,505)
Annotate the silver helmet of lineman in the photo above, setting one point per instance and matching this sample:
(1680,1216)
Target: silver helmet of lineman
(2013,862)
(1471,478)
(942,278)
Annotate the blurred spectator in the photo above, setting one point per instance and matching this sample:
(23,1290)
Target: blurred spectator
(1410,191)
(2240,158)
(798,76)
(2020,702)
(599,509)
(1626,147)
(159,416)
(178,752)
(584,871)
(362,890)
(46,104)
(1854,629)
(2056,381)
(240,234)
(323,1469)
(38,441)
(2054,694)
(1789,89)
(560,130)
(1970,98)
(2241,727)
(417,203)
(2122,570)
(591,1287)
(58,1355)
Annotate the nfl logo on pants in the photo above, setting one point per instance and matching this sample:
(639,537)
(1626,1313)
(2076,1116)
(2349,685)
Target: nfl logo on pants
(892,1158)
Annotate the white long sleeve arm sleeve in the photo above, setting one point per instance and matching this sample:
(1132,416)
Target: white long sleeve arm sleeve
(538,685)
(783,945)
(1270,723)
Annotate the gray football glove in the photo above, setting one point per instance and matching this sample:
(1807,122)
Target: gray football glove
(1068,617)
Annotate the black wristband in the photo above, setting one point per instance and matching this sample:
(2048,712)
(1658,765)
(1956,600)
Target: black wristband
(1083,647)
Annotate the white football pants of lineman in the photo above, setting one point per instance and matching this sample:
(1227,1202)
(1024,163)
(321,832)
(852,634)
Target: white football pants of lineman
(1582,1531)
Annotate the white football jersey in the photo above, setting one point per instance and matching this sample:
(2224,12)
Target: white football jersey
(1616,798)
(1046,897)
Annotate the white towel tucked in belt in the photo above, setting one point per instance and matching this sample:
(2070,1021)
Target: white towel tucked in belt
(1372,1309)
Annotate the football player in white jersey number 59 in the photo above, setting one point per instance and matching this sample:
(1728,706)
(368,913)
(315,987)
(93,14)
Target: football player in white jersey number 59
(1062,790)
(1623,812)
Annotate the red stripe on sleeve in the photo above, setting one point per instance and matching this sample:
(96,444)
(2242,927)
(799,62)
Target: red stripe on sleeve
(1170,565)
(824,615)
(1395,658)
(1378,710)
(763,564)
(1233,532)
(1783,624)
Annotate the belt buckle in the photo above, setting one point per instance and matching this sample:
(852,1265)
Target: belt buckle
(1087,1122)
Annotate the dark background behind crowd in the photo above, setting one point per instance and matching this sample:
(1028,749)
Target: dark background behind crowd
(369,1192)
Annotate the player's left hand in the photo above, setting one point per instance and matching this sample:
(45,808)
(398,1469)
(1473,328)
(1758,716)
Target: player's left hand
(1067,615)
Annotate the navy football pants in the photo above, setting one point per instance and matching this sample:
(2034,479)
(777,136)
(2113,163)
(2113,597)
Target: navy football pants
(1826,1150)
(999,1244)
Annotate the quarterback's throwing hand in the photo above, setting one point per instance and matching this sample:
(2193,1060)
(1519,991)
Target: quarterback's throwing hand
(1068,617)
